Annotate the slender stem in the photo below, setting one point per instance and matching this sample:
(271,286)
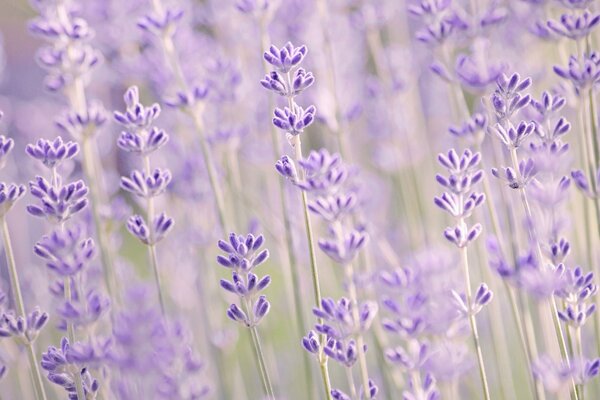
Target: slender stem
(473,322)
(351,384)
(20,305)
(258,353)
(152,247)
(360,343)
(195,111)
(540,255)
(71,335)
(297,144)
(76,96)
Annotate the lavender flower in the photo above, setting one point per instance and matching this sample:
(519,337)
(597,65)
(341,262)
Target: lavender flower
(52,153)
(243,256)
(575,27)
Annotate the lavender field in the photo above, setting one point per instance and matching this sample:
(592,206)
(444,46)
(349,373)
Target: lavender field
(299,199)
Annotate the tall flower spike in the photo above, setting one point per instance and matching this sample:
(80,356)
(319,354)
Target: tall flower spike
(242,256)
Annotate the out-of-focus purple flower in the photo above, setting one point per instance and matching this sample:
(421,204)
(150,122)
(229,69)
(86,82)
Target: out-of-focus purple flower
(474,128)
(583,184)
(412,357)
(574,26)
(424,390)
(338,320)
(252,6)
(58,202)
(527,171)
(162,24)
(6,145)
(87,310)
(66,252)
(24,329)
(583,73)
(555,376)
(82,124)
(344,250)
(68,56)
(52,153)
(474,75)
(10,193)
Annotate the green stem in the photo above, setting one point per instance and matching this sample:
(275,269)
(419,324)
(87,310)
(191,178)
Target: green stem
(297,144)
(258,354)
(20,305)
(473,322)
(152,257)
(72,339)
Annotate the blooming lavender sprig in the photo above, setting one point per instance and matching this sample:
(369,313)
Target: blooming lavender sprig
(460,201)
(242,256)
(23,327)
(65,370)
(69,59)
(577,291)
(141,137)
(67,251)
(284,60)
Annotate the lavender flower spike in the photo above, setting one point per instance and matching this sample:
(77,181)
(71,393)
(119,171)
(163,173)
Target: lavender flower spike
(242,255)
